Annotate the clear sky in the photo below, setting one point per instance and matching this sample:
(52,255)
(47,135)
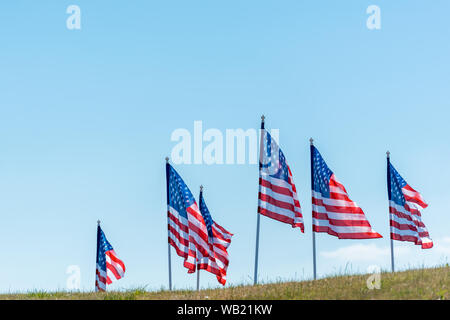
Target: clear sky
(86,118)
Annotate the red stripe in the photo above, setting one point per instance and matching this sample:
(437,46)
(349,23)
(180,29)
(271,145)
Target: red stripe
(336,209)
(223,229)
(178,250)
(203,234)
(399,226)
(175,220)
(282,191)
(340,196)
(97,286)
(409,238)
(275,188)
(219,234)
(342,235)
(188,265)
(417,198)
(111,268)
(341,223)
(400,214)
(335,183)
(178,236)
(281,218)
(114,258)
(402,226)
(276,203)
(412,210)
(427,245)
(416,239)
(102,279)
(219,275)
(193,240)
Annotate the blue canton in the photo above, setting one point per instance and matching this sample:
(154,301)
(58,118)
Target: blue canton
(206,215)
(180,197)
(102,246)
(397,183)
(321,173)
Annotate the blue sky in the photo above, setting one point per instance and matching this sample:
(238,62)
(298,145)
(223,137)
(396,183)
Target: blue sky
(86,118)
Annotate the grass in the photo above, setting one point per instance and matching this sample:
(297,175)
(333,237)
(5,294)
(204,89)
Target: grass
(429,284)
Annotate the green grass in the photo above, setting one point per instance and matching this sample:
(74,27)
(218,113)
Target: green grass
(427,284)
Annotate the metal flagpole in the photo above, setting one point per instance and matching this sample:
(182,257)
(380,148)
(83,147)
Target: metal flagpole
(198,278)
(388,154)
(198,270)
(168,235)
(311,141)
(96,258)
(261,147)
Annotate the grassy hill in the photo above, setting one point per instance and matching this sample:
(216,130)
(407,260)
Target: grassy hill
(412,284)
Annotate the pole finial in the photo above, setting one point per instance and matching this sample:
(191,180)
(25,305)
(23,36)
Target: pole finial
(311,141)
(98,222)
(263,118)
(388,154)
(201,188)
(167,159)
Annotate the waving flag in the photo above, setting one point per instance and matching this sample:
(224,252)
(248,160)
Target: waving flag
(187,229)
(109,266)
(333,211)
(219,240)
(277,193)
(405,205)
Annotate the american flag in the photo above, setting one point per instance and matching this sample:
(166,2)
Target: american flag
(332,210)
(187,229)
(109,266)
(277,193)
(405,204)
(219,241)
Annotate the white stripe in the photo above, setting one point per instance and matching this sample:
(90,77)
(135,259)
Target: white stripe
(277,182)
(200,224)
(182,234)
(101,285)
(115,265)
(102,273)
(182,219)
(334,189)
(341,229)
(340,216)
(414,205)
(276,195)
(403,221)
(404,232)
(405,212)
(281,211)
(180,246)
(179,230)
(411,194)
(333,202)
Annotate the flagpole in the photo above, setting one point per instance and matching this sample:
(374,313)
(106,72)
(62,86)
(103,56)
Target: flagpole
(168,235)
(198,278)
(96,258)
(388,155)
(311,141)
(198,270)
(255,277)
